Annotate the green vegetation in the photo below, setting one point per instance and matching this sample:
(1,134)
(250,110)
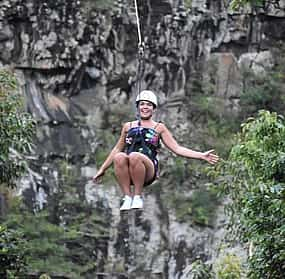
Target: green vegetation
(263,4)
(199,208)
(220,135)
(54,249)
(107,141)
(100,156)
(217,124)
(188,3)
(265,91)
(254,179)
(121,113)
(62,239)
(98,4)
(104,4)
(65,238)
(200,270)
(235,4)
(178,171)
(16,130)
(229,267)
(12,253)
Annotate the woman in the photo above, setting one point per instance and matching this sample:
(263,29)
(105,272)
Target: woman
(134,155)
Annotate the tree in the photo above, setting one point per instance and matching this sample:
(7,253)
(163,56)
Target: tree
(12,253)
(16,130)
(254,179)
(264,4)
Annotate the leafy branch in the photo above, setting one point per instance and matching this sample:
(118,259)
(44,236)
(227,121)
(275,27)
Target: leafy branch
(16,130)
(254,179)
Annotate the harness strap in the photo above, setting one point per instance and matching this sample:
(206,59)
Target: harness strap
(156,125)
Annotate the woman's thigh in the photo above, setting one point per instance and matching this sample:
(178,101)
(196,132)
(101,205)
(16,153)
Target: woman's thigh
(120,160)
(149,166)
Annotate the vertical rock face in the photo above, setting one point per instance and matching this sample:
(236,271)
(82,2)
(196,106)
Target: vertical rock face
(77,66)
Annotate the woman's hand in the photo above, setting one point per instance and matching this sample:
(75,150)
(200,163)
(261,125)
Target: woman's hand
(210,157)
(98,177)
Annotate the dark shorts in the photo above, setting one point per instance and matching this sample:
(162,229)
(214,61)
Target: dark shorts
(155,164)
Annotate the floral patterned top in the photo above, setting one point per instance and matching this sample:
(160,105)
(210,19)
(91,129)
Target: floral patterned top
(143,140)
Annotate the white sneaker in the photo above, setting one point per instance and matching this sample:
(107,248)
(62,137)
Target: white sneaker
(127,203)
(137,202)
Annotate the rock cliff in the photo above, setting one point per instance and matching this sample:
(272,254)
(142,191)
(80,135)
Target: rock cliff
(77,64)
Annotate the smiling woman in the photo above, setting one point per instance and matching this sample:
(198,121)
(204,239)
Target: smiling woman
(135,154)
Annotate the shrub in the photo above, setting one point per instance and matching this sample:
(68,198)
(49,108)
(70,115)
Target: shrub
(16,130)
(12,253)
(200,208)
(254,179)
(200,270)
(229,267)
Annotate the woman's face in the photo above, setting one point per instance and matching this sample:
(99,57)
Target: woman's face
(146,110)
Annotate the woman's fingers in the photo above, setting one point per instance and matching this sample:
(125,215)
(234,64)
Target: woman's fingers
(211,157)
(95,179)
(98,177)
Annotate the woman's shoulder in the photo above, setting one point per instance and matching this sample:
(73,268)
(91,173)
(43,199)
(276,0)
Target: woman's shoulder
(130,124)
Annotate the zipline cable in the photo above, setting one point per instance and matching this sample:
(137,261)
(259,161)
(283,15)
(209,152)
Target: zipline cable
(138,24)
(140,57)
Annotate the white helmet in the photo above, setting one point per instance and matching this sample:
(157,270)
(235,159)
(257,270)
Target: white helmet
(147,95)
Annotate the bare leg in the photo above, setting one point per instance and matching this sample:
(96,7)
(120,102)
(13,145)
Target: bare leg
(121,166)
(141,170)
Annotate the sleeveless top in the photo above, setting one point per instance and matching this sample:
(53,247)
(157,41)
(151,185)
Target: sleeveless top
(143,140)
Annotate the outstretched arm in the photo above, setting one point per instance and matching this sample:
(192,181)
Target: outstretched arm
(116,149)
(172,144)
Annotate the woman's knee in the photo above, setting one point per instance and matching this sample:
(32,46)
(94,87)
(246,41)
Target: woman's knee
(135,159)
(120,159)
